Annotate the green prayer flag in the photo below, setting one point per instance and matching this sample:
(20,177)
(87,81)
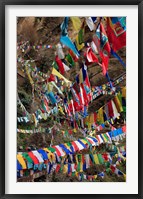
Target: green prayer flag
(70,96)
(78,166)
(107,164)
(26,173)
(66,133)
(61,168)
(55,65)
(87,142)
(80,36)
(106,137)
(79,156)
(119,95)
(108,170)
(69,144)
(51,149)
(101,161)
(70,60)
(27,157)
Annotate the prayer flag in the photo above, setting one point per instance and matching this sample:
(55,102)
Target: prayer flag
(76,23)
(64,26)
(116,34)
(56,73)
(90,23)
(91,57)
(103,46)
(60,65)
(67,42)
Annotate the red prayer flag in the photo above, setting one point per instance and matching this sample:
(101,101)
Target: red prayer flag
(75,146)
(57,150)
(75,57)
(103,46)
(91,57)
(58,168)
(51,78)
(116,35)
(110,109)
(33,157)
(60,65)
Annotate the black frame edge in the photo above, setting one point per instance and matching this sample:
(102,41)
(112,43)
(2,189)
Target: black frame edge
(2,95)
(73,2)
(140,98)
(2,100)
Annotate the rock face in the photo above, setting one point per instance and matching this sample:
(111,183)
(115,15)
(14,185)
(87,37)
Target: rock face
(46,31)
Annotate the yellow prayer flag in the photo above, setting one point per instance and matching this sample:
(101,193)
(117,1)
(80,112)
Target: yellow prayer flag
(74,130)
(103,86)
(21,161)
(86,120)
(49,87)
(28,74)
(76,23)
(76,173)
(105,140)
(96,158)
(84,141)
(112,121)
(91,118)
(124,176)
(45,149)
(51,157)
(78,45)
(76,159)
(118,104)
(55,72)
(35,120)
(95,176)
(65,168)
(92,133)
(61,110)
(67,147)
(89,125)
(124,92)
(81,167)
(100,117)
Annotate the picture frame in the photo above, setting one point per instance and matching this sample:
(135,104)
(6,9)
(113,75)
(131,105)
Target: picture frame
(3,99)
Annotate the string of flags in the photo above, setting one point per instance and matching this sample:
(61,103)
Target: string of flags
(104,89)
(54,153)
(72,164)
(117,104)
(35,47)
(72,170)
(75,95)
(98,90)
(78,162)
